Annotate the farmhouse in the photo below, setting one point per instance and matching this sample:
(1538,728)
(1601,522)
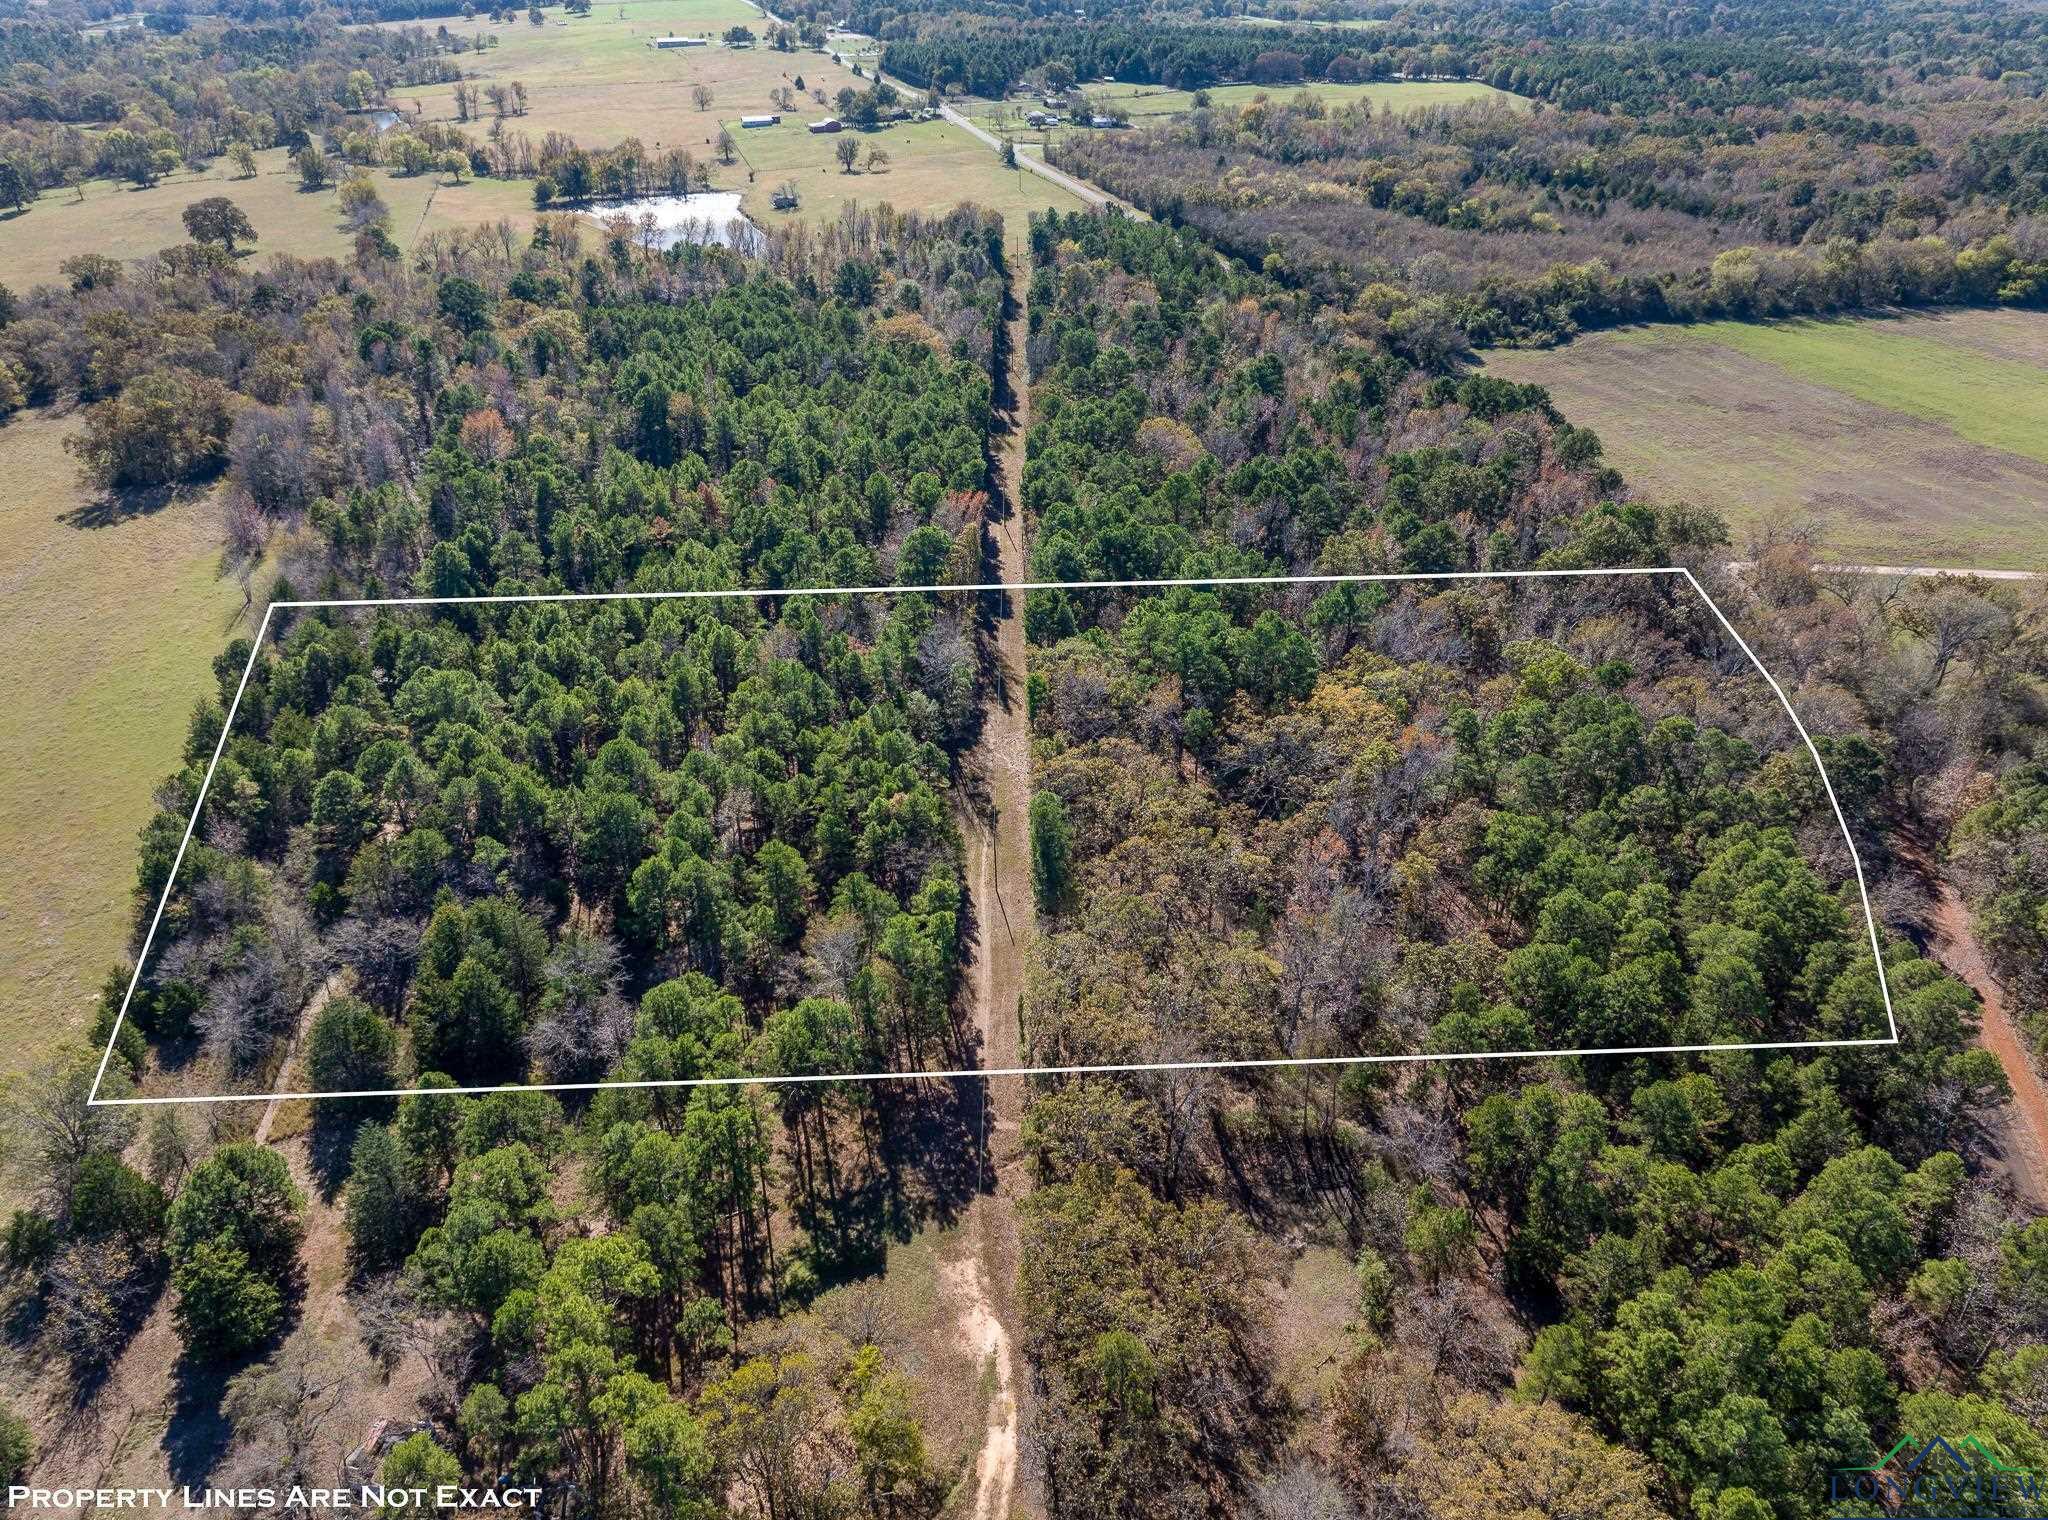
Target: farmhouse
(678,42)
(829,124)
(759,121)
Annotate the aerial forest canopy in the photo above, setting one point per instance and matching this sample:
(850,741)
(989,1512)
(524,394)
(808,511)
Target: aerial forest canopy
(509,829)
(1770,160)
(641,840)
(1457,818)
(689,781)
(637,806)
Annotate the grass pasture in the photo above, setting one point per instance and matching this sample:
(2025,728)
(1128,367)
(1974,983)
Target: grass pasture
(108,628)
(1399,95)
(933,166)
(597,79)
(127,223)
(1916,438)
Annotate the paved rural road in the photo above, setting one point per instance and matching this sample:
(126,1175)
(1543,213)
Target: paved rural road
(1038,166)
(1087,192)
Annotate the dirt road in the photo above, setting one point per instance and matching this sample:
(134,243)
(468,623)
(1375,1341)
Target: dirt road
(2023,1124)
(999,878)
(310,1012)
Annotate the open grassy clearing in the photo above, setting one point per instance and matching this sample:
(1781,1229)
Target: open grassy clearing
(851,45)
(1917,439)
(908,1303)
(108,629)
(126,223)
(1999,402)
(1147,104)
(597,79)
(1340,24)
(933,166)
(593,78)
(1146,100)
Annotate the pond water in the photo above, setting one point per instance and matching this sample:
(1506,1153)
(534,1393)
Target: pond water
(382,120)
(706,217)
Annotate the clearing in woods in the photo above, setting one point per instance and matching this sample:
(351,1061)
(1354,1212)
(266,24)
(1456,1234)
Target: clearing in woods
(1917,438)
(597,79)
(110,681)
(124,222)
(1146,103)
(933,166)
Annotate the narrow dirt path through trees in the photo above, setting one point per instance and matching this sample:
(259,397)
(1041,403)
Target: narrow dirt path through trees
(310,1012)
(999,879)
(2022,1124)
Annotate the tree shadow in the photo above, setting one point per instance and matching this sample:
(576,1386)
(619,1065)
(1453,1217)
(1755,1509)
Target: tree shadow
(198,1435)
(113,507)
(22,1316)
(330,1144)
(927,1163)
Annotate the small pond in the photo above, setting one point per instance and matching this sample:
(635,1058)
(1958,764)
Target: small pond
(705,217)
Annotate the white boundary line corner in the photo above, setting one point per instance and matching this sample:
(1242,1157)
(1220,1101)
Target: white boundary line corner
(94,1100)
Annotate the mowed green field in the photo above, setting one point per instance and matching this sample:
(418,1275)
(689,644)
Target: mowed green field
(1912,439)
(108,633)
(933,166)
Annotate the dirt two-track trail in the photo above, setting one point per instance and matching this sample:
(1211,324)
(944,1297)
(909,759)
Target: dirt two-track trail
(999,883)
(2022,1126)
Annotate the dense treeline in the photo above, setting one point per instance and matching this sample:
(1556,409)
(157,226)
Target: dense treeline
(1477,819)
(590,841)
(769,432)
(555,447)
(137,103)
(1619,57)
(988,57)
(1786,158)
(496,827)
(1484,225)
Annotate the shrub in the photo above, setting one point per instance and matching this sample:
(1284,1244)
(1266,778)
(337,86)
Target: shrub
(166,427)
(225,1307)
(17,1446)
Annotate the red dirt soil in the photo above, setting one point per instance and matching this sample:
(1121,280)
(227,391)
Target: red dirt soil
(2022,1124)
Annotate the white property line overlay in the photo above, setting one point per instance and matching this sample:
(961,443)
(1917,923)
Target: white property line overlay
(94,1100)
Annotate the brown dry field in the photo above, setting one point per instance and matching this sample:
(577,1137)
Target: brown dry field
(1898,440)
